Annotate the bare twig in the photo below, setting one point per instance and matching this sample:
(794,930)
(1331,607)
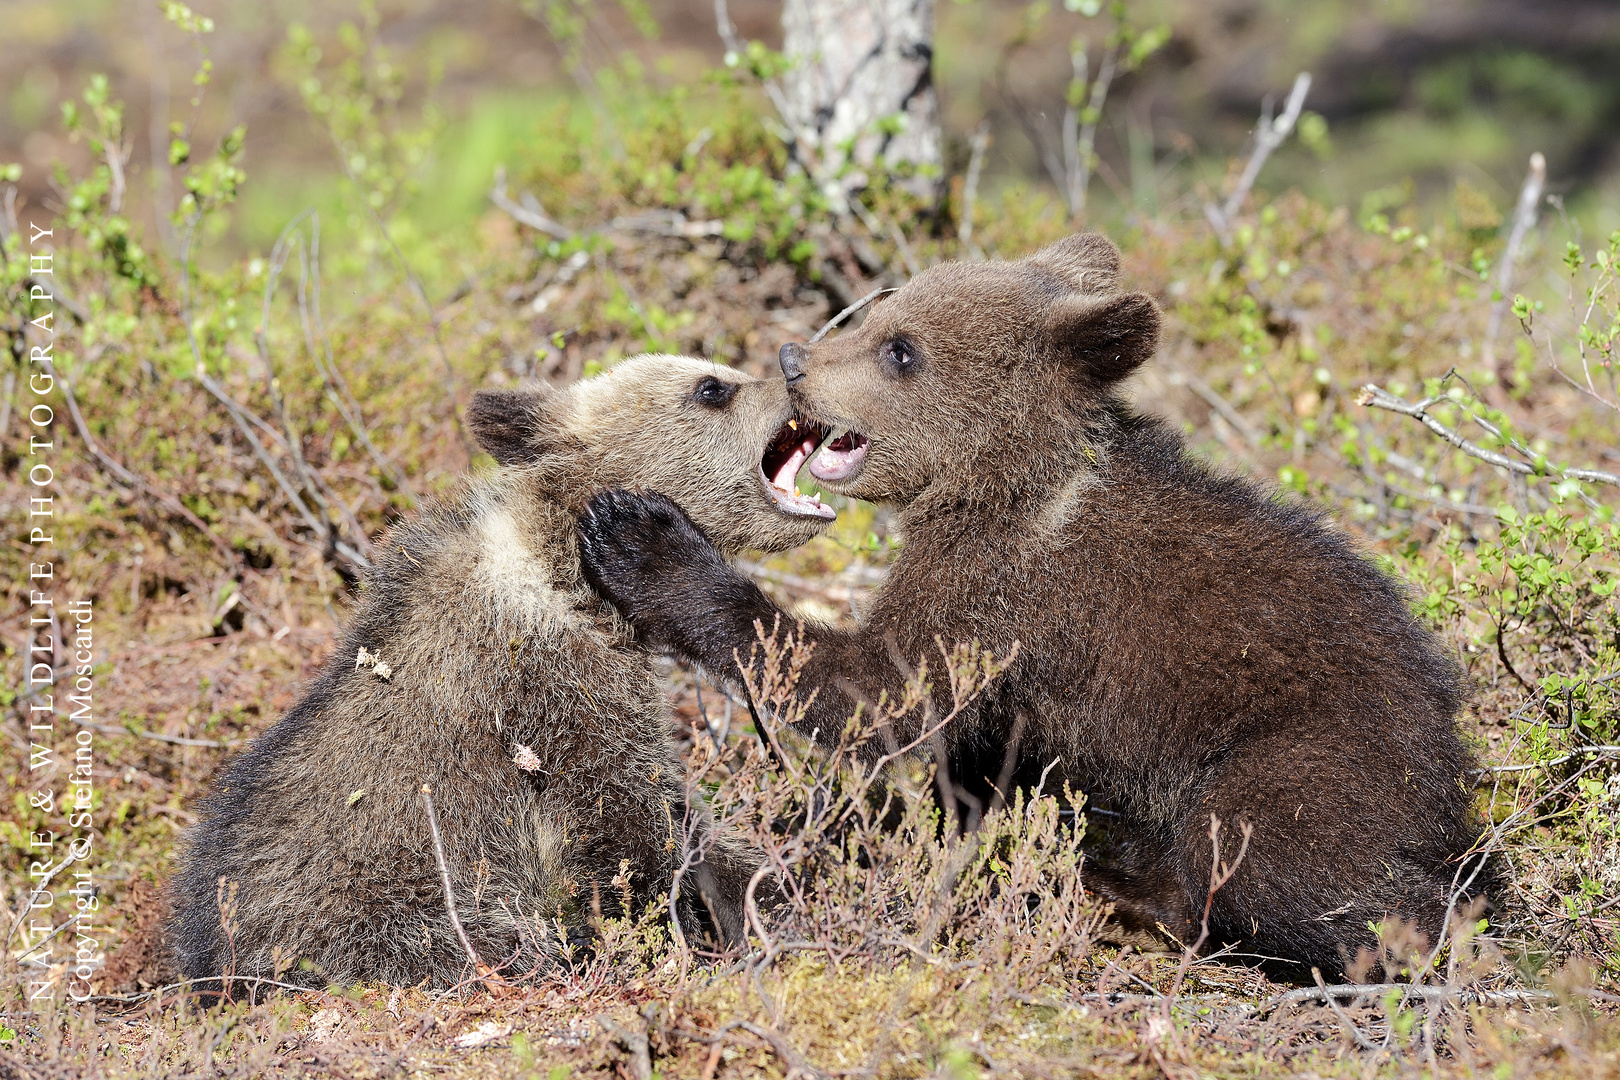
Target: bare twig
(314,325)
(833,322)
(666,223)
(532,216)
(876,227)
(795,1061)
(719,735)
(751,910)
(528,211)
(634,1043)
(124,476)
(417,288)
(1220,872)
(1427,993)
(157,992)
(44,882)
(980,143)
(1524,219)
(1267,137)
(242,415)
(1474,863)
(156,736)
(1580,751)
(1349,1025)
(116,155)
(157,125)
(773,90)
(310,478)
(1080,133)
(1379,398)
(1214,400)
(444,879)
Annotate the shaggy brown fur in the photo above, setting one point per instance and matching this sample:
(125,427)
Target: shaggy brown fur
(492,643)
(1188,644)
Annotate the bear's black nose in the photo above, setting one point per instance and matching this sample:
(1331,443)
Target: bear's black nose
(792,360)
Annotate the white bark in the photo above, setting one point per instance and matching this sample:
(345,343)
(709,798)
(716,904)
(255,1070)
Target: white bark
(857,65)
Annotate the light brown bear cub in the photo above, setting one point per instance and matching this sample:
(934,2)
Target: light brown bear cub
(1188,645)
(481,663)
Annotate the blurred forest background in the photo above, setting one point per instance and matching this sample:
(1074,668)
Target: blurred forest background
(294,237)
(1418,94)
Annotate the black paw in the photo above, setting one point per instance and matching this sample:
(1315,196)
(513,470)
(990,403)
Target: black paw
(642,553)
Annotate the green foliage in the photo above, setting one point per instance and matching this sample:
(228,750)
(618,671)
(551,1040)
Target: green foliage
(95,203)
(1557,574)
(1313,134)
(1595,293)
(704,154)
(381,147)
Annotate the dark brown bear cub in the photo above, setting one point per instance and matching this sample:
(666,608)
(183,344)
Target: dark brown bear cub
(1188,645)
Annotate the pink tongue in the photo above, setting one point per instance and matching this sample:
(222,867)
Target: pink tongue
(833,464)
(790,468)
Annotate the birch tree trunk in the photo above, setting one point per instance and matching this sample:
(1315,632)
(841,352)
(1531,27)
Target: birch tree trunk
(862,78)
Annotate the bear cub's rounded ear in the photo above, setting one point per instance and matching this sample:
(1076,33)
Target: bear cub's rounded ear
(509,424)
(1102,339)
(1086,262)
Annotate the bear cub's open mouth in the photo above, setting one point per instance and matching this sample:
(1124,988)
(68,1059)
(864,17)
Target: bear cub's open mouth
(840,457)
(784,455)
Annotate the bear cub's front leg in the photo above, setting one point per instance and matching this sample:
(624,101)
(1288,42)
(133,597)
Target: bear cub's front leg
(643,554)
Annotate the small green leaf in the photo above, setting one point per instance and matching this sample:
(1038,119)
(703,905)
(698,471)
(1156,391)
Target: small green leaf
(357,795)
(1572,256)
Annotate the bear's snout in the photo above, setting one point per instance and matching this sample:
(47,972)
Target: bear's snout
(792,359)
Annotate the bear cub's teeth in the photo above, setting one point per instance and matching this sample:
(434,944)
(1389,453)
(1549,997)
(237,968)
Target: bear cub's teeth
(789,449)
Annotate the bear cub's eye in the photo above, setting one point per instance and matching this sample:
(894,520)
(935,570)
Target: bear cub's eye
(900,356)
(714,393)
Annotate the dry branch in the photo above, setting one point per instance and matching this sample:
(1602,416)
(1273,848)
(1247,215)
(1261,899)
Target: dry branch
(980,143)
(1379,398)
(310,478)
(1267,137)
(528,211)
(531,215)
(1210,397)
(314,325)
(833,322)
(124,476)
(417,289)
(1080,138)
(1428,993)
(156,736)
(1349,1024)
(795,1062)
(1524,218)
(773,90)
(634,1043)
(444,879)
(1581,751)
